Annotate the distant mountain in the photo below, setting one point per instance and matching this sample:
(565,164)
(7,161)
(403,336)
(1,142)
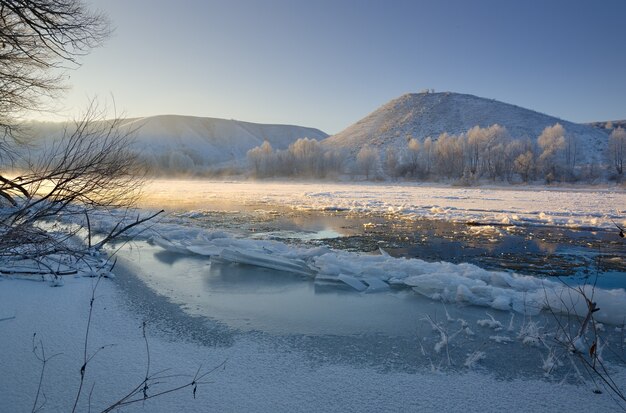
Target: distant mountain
(421,115)
(206,142)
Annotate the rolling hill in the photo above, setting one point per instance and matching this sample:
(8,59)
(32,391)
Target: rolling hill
(207,142)
(420,115)
(198,144)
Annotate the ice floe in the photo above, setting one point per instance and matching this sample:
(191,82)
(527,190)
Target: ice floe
(465,284)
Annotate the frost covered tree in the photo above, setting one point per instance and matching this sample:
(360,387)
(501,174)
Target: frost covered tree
(475,142)
(427,155)
(524,165)
(308,157)
(512,151)
(391,162)
(617,150)
(303,158)
(494,150)
(367,161)
(333,163)
(260,159)
(412,160)
(449,155)
(551,142)
(485,150)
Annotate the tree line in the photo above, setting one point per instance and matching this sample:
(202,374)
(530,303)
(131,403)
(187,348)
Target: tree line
(304,158)
(481,153)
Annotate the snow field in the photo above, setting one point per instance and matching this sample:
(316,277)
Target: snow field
(256,377)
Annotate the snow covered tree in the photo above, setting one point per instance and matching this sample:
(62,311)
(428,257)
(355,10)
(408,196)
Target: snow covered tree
(494,150)
(333,162)
(367,161)
(512,150)
(260,158)
(391,162)
(484,151)
(551,142)
(412,156)
(449,155)
(617,150)
(308,157)
(475,141)
(524,165)
(304,158)
(427,155)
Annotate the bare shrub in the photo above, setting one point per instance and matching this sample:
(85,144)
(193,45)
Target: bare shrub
(88,171)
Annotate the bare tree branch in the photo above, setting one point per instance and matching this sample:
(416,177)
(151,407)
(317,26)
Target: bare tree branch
(37,36)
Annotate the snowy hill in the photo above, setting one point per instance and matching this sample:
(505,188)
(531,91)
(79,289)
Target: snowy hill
(195,143)
(608,125)
(420,115)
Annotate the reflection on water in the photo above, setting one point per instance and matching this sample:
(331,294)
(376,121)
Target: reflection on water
(251,298)
(544,251)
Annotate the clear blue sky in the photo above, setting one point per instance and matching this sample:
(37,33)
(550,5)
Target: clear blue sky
(327,64)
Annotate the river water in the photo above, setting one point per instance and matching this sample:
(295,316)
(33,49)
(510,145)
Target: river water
(394,329)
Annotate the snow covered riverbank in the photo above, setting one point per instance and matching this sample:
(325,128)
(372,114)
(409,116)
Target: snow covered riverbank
(258,375)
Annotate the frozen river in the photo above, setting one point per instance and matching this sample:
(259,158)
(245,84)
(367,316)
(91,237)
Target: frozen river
(393,327)
(340,297)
